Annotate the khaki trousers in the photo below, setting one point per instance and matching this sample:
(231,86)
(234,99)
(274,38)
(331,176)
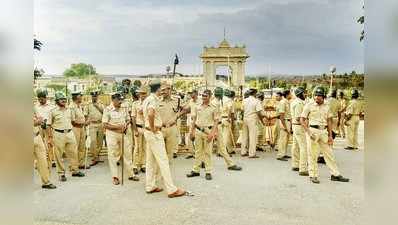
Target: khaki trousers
(283,139)
(222,139)
(39,152)
(352,132)
(65,143)
(320,145)
(299,149)
(49,150)
(203,150)
(249,135)
(170,135)
(96,139)
(157,163)
(80,136)
(139,150)
(335,121)
(342,127)
(114,141)
(227,135)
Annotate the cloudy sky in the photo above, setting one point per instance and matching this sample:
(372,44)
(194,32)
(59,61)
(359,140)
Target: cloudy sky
(141,36)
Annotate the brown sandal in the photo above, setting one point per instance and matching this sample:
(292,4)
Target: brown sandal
(115,181)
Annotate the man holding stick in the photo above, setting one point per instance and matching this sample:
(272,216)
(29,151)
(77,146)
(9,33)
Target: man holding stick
(116,121)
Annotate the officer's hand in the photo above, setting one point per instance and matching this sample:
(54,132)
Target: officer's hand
(50,142)
(330,140)
(210,137)
(192,136)
(136,133)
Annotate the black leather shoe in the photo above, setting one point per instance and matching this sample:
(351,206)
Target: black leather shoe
(314,180)
(208,176)
(82,167)
(143,169)
(193,174)
(48,186)
(303,173)
(287,157)
(62,178)
(235,167)
(134,178)
(349,148)
(135,171)
(78,174)
(281,159)
(244,155)
(202,165)
(295,169)
(175,155)
(339,178)
(189,157)
(53,165)
(321,160)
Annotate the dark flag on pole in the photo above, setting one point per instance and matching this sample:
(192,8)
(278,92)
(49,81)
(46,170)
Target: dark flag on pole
(176,60)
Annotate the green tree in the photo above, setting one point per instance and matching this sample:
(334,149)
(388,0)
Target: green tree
(80,70)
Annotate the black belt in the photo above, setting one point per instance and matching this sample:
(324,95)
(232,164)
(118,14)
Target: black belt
(37,134)
(139,125)
(296,124)
(318,127)
(225,117)
(63,131)
(203,128)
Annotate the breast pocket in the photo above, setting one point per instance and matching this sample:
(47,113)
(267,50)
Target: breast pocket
(116,117)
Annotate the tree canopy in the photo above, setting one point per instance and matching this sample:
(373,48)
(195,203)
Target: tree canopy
(80,70)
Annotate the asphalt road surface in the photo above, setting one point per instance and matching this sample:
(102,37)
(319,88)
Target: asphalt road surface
(265,192)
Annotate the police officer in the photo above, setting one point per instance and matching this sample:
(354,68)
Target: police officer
(188,108)
(252,109)
(138,123)
(79,123)
(94,111)
(43,109)
(352,118)
(62,138)
(299,147)
(39,152)
(283,114)
(157,162)
(116,122)
(343,107)
(316,120)
(168,109)
(335,107)
(204,129)
(224,110)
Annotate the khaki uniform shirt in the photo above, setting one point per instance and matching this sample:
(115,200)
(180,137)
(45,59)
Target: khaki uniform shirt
(316,114)
(296,109)
(60,119)
(205,115)
(227,108)
(94,115)
(77,113)
(168,110)
(152,102)
(283,106)
(126,105)
(334,106)
(115,117)
(251,106)
(137,112)
(43,110)
(353,108)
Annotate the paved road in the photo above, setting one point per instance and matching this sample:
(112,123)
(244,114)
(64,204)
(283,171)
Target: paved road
(265,192)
